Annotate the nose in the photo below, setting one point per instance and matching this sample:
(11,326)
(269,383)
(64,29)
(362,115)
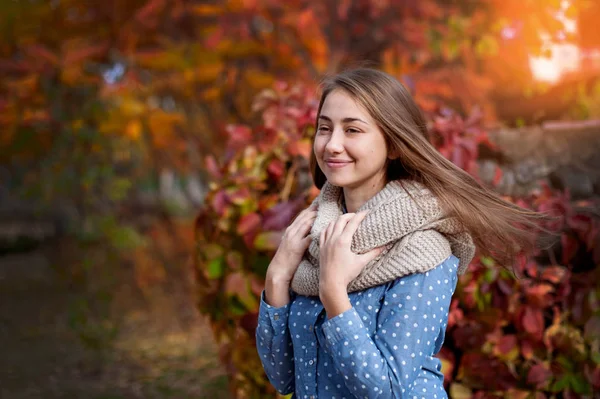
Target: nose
(335,144)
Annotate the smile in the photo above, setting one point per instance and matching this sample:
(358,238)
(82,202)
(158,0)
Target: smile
(336,165)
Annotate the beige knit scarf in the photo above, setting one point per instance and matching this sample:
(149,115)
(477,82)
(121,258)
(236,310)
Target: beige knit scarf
(406,219)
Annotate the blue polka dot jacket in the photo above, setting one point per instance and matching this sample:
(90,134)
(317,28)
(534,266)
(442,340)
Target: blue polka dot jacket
(383,347)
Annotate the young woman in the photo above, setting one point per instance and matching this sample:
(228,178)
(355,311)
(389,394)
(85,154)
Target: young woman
(356,298)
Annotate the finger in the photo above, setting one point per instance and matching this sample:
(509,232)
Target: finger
(353,224)
(306,213)
(303,225)
(307,226)
(340,224)
(372,254)
(328,231)
(306,242)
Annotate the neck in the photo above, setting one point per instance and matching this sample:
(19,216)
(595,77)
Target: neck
(355,197)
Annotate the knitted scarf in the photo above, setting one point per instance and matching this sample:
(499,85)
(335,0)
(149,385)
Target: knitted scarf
(405,218)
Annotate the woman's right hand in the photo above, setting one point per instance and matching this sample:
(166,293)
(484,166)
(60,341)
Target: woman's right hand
(294,242)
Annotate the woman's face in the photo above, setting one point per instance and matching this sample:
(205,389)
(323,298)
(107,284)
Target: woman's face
(349,146)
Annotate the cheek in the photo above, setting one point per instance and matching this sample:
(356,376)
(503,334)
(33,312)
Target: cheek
(318,146)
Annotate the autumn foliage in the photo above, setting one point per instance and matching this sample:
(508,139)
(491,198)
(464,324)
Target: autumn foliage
(95,108)
(529,332)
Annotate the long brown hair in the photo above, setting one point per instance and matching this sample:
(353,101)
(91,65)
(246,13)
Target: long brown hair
(499,228)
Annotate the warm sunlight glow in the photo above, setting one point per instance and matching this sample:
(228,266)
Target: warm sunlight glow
(565,58)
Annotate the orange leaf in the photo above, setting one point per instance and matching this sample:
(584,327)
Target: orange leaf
(554,274)
(301,147)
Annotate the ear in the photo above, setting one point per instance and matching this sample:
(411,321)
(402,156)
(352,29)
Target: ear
(393,155)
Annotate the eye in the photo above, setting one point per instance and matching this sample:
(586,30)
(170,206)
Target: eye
(352,130)
(323,128)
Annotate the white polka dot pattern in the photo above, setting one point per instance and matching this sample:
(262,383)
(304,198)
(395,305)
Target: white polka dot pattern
(383,347)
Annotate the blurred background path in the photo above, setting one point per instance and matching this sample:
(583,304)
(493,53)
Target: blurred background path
(159,350)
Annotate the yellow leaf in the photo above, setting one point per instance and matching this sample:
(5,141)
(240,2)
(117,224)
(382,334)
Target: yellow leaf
(131,107)
(133,129)
(208,73)
(258,79)
(460,391)
(212,94)
(162,126)
(206,10)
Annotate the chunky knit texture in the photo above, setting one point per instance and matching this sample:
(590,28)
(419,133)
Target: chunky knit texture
(405,218)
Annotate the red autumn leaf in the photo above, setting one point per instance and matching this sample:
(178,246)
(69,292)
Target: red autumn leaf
(248,223)
(249,322)
(214,38)
(448,360)
(538,295)
(234,260)
(554,274)
(276,168)
(236,284)
(455,315)
(532,269)
(538,376)
(74,56)
(469,335)
(240,196)
(592,238)
(213,167)
(526,349)
(569,247)
(280,216)
(300,148)
(257,285)
(149,11)
(479,370)
(533,321)
(239,135)
(579,222)
(596,251)
(497,176)
(219,202)
(595,377)
(506,344)
(41,52)
(504,286)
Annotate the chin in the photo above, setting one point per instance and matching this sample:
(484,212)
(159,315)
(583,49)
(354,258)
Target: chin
(340,181)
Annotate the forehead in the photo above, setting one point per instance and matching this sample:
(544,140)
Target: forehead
(338,105)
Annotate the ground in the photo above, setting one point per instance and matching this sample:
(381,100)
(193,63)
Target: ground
(50,349)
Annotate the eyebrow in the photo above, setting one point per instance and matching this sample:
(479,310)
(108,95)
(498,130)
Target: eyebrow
(345,120)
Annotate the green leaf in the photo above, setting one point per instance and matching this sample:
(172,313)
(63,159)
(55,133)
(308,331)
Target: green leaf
(268,241)
(579,384)
(561,384)
(487,261)
(216,267)
(125,237)
(118,188)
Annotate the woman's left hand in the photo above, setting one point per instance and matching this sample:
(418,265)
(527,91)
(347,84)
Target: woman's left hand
(338,264)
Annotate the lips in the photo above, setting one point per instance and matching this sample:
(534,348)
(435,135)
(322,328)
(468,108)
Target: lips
(333,163)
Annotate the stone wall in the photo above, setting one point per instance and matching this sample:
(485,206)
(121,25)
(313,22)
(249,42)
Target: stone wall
(563,154)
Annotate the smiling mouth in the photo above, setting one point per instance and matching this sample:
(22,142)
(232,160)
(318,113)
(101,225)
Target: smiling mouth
(336,165)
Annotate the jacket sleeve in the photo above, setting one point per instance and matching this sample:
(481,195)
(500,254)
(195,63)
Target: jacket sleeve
(274,345)
(412,317)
